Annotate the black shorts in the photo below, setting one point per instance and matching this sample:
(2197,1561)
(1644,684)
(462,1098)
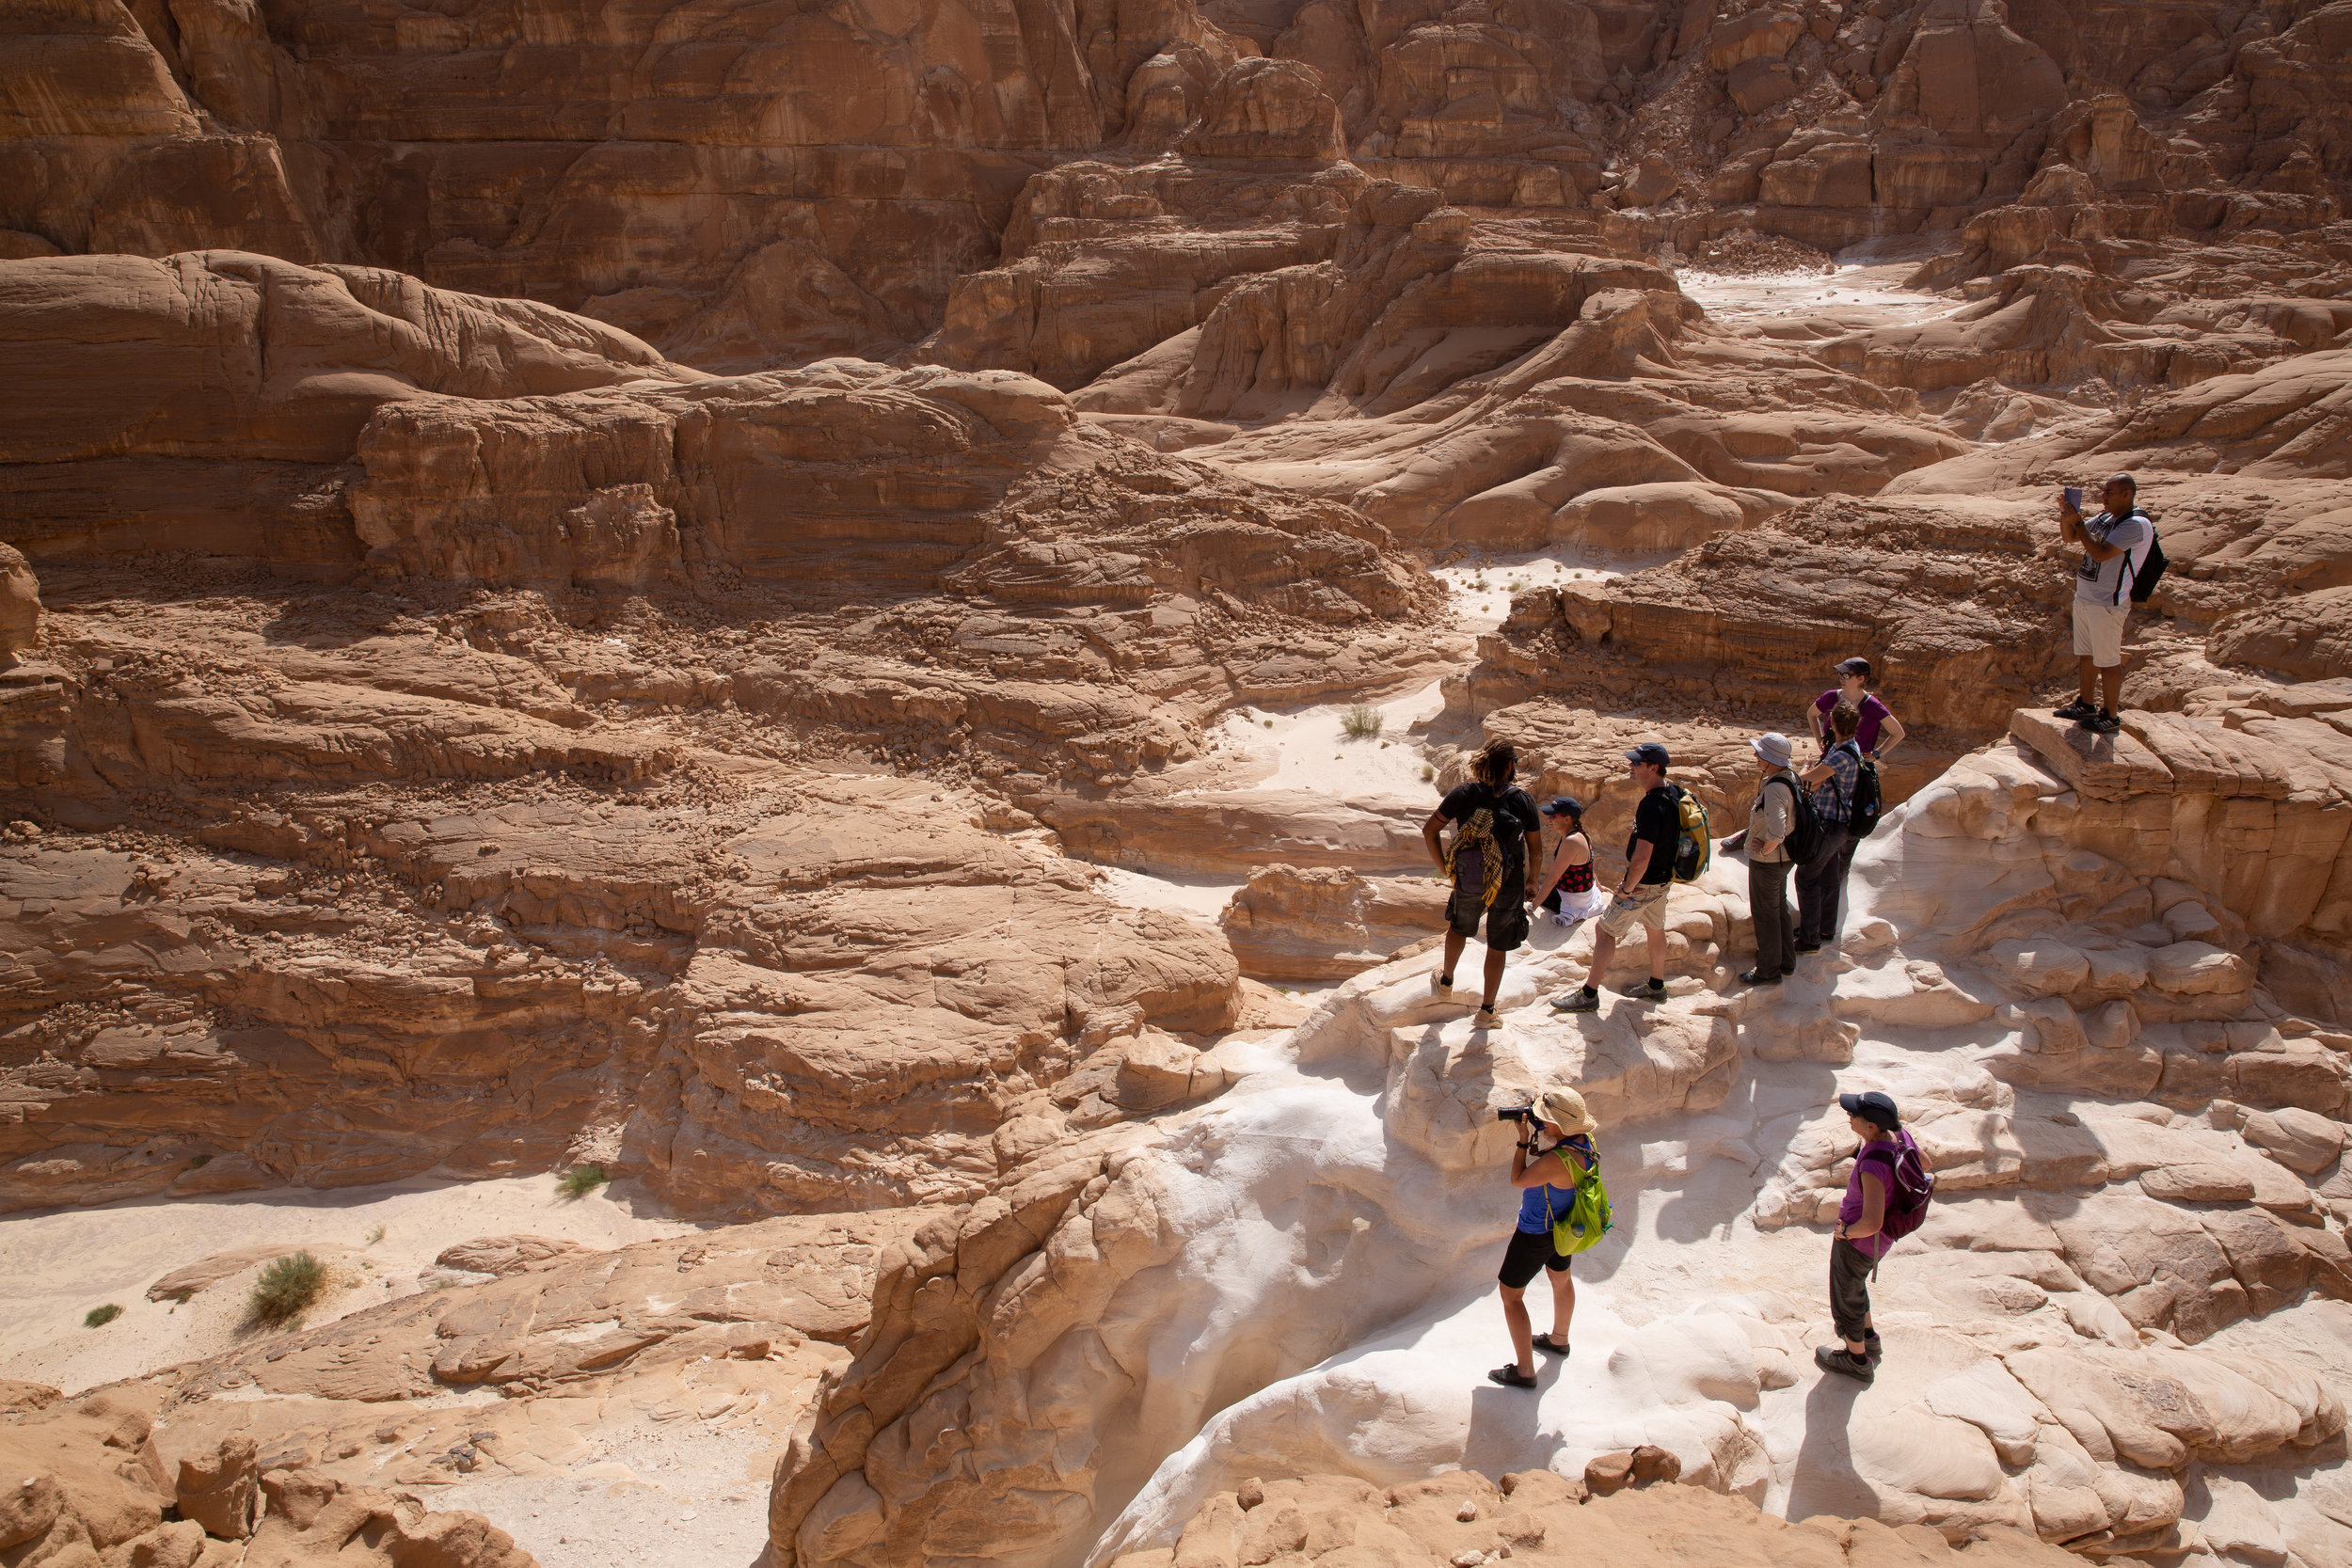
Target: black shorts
(1526,1253)
(1506,921)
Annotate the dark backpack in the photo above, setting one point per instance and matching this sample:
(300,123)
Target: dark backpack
(1909,1188)
(1805,823)
(1862,813)
(2152,567)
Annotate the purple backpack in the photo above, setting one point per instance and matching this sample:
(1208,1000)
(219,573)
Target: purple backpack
(1909,1185)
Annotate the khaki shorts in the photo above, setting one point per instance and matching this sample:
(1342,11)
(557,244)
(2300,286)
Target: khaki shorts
(2099,632)
(1648,909)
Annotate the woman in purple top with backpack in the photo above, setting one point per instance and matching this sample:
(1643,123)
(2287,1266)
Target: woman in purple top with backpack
(1886,1198)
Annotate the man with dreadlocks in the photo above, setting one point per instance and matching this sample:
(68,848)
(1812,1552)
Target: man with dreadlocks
(1491,863)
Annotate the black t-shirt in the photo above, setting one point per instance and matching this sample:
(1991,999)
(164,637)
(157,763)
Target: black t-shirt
(1515,818)
(1660,820)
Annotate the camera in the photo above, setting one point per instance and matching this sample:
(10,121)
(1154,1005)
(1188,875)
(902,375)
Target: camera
(1516,1112)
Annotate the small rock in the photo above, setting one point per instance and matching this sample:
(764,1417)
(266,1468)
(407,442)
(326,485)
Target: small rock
(1468,1511)
(1251,1493)
(1468,1559)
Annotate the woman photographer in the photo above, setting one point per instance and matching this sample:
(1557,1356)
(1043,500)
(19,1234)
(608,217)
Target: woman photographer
(1555,1143)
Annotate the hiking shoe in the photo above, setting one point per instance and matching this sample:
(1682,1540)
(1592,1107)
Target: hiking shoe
(1806,947)
(1754,978)
(1546,1343)
(1841,1361)
(1485,1019)
(2076,709)
(1511,1377)
(1873,1347)
(2101,722)
(1441,984)
(1578,1001)
(1646,991)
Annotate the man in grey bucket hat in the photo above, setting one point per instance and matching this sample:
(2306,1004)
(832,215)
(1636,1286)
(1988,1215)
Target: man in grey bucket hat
(1769,821)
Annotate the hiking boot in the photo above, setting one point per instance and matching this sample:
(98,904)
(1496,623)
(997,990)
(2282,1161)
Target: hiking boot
(1755,978)
(1645,991)
(1581,1000)
(1843,1362)
(2101,722)
(2076,709)
(1804,948)
(1485,1019)
(1442,987)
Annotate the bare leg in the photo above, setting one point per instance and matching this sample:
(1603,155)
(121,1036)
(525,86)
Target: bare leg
(1604,949)
(2111,684)
(1494,976)
(1522,1336)
(2087,674)
(1562,1304)
(1452,953)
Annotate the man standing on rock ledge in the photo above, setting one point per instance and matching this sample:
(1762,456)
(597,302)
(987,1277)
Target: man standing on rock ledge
(1649,870)
(1771,821)
(2114,543)
(1491,864)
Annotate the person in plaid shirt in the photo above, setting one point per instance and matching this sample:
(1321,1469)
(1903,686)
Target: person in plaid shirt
(1822,881)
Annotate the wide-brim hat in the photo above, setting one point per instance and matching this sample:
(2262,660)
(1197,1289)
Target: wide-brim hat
(1774,748)
(1565,1108)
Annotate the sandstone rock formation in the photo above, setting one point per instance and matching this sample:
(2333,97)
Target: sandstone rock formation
(92,1484)
(1543,1516)
(729,594)
(2077,1036)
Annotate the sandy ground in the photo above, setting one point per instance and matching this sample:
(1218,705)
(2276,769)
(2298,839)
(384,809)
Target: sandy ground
(1194,897)
(1858,297)
(689,1497)
(56,1264)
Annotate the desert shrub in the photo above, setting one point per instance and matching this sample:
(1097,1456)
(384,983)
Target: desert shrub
(1363,721)
(287,1286)
(580,1180)
(99,1317)
(375,1234)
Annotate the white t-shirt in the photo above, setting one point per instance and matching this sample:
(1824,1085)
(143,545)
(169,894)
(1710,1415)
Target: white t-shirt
(2109,581)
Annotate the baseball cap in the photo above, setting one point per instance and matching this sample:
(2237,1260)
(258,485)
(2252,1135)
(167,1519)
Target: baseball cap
(1564,805)
(1854,667)
(1872,1107)
(1648,751)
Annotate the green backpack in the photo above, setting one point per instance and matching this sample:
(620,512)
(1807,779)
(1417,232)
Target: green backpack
(1587,1219)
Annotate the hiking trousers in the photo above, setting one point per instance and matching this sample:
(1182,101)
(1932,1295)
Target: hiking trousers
(1849,1287)
(1776,923)
(1821,886)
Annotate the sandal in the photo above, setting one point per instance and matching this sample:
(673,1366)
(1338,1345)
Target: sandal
(1546,1342)
(1511,1377)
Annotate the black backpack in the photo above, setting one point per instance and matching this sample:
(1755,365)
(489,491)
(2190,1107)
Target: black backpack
(1862,816)
(2152,567)
(1805,823)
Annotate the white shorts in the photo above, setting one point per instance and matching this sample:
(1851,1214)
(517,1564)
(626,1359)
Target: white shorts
(2099,632)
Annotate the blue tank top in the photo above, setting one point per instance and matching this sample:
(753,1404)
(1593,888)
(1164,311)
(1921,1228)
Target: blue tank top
(1533,1219)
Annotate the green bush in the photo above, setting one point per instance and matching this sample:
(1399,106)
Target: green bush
(287,1286)
(580,1180)
(1363,721)
(99,1317)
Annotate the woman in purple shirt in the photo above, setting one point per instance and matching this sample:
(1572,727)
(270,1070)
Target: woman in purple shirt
(1880,731)
(1862,1241)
